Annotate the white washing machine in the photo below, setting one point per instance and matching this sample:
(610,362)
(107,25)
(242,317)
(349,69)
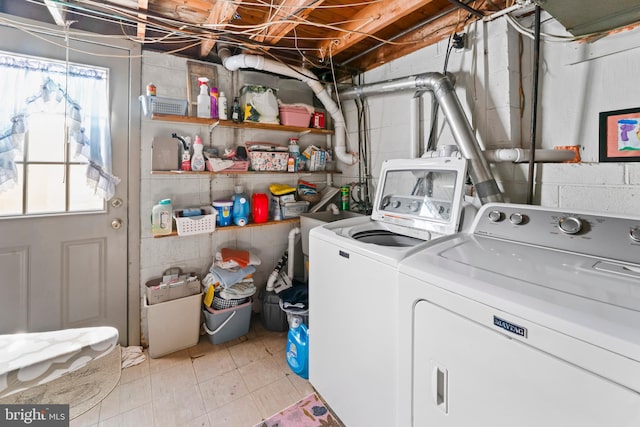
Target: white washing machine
(353,285)
(532,318)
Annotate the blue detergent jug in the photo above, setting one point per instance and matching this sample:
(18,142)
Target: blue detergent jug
(240,212)
(298,349)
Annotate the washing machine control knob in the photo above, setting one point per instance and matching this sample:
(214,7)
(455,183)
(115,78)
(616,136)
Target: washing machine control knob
(414,206)
(516,218)
(496,216)
(395,204)
(634,233)
(570,225)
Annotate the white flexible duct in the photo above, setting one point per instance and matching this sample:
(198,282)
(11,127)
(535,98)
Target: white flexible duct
(517,155)
(292,240)
(234,63)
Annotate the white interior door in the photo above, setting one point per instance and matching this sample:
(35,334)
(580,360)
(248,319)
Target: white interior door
(69,269)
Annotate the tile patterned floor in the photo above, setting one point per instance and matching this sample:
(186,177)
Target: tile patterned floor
(235,384)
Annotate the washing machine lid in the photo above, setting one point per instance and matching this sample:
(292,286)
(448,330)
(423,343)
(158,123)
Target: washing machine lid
(422,194)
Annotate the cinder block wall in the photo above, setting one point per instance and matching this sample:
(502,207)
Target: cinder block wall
(577,81)
(195,253)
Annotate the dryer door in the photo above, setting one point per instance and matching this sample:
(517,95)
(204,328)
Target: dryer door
(466,374)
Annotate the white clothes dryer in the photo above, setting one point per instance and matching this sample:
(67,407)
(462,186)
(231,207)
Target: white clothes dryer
(529,319)
(353,285)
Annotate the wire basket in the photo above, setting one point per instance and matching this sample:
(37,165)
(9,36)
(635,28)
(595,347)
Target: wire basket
(220,303)
(156,105)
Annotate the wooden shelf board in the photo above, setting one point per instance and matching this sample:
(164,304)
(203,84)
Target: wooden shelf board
(243,125)
(222,172)
(237,227)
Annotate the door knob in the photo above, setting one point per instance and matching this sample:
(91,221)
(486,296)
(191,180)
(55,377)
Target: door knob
(116,224)
(117,202)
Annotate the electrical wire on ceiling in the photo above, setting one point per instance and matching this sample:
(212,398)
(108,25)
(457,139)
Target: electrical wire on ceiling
(332,6)
(172,31)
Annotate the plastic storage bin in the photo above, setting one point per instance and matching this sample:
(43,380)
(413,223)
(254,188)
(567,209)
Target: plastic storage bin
(154,104)
(173,325)
(200,224)
(295,116)
(230,323)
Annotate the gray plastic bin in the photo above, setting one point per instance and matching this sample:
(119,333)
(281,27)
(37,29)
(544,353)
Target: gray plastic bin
(227,324)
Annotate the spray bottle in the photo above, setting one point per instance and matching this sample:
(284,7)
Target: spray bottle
(204,100)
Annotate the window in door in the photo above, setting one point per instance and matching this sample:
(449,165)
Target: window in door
(56,104)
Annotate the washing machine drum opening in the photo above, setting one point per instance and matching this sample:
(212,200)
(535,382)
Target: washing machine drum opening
(386,238)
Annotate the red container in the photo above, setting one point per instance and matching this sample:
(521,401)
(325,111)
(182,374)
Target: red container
(318,120)
(260,207)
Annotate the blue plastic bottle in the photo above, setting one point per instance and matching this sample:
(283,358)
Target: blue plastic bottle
(298,349)
(240,212)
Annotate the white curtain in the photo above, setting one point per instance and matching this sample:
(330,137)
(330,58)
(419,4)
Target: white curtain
(30,86)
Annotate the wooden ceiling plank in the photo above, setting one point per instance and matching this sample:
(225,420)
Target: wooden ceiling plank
(143,5)
(58,12)
(429,34)
(288,10)
(369,20)
(221,13)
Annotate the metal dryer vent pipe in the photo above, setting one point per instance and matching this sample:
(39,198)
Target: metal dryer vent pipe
(442,88)
(234,63)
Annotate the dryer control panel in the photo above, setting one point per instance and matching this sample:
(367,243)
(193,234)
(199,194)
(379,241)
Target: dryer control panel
(588,233)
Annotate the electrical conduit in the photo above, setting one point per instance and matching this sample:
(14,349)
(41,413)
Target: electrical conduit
(234,63)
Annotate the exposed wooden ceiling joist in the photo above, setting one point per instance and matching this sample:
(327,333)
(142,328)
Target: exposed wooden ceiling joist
(288,10)
(58,12)
(221,13)
(369,20)
(143,5)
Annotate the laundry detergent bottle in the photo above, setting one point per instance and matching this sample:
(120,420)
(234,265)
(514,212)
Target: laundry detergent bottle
(197,160)
(162,218)
(298,347)
(240,213)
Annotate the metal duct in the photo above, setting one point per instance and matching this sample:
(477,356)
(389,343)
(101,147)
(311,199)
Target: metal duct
(442,88)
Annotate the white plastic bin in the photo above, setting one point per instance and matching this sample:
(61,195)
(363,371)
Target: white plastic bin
(173,325)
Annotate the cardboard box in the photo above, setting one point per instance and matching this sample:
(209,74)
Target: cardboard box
(173,325)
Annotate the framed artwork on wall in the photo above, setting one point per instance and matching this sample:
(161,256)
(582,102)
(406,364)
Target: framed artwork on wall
(195,70)
(620,135)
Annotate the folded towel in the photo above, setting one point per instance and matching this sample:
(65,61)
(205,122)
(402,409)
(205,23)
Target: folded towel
(237,255)
(228,278)
(242,289)
(231,264)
